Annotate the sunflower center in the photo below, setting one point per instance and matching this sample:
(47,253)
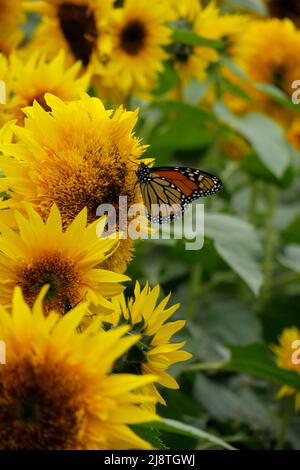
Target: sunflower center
(278,77)
(78,25)
(59,273)
(39,407)
(179,51)
(133,37)
(28,412)
(284,8)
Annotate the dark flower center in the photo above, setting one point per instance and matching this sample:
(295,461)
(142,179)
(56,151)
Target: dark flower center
(61,276)
(284,8)
(79,28)
(180,52)
(278,77)
(133,37)
(40,407)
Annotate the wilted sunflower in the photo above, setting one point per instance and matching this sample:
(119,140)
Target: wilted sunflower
(41,253)
(79,155)
(138,34)
(11,17)
(30,79)
(285,352)
(154,353)
(77,26)
(56,389)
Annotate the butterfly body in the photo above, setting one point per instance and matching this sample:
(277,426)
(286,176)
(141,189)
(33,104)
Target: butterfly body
(168,191)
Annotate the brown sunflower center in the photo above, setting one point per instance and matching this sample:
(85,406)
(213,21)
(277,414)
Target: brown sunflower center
(39,408)
(278,77)
(284,8)
(90,184)
(133,37)
(78,25)
(61,276)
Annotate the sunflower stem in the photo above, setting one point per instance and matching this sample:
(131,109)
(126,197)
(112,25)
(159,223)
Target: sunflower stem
(195,282)
(270,240)
(286,417)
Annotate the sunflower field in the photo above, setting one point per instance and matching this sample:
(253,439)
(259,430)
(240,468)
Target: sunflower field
(165,340)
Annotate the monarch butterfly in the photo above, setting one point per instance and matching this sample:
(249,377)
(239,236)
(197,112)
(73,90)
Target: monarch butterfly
(167,191)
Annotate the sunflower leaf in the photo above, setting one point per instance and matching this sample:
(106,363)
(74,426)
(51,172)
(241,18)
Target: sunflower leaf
(257,360)
(190,38)
(176,427)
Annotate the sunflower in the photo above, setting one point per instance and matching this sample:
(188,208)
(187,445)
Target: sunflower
(138,36)
(281,65)
(154,353)
(56,389)
(285,352)
(11,17)
(77,26)
(30,79)
(80,155)
(41,253)
(193,61)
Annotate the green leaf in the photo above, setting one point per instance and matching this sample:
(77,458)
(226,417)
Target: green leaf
(175,427)
(266,136)
(256,6)
(181,120)
(256,168)
(167,80)
(149,434)
(291,234)
(239,246)
(238,403)
(190,38)
(291,258)
(257,360)
(278,96)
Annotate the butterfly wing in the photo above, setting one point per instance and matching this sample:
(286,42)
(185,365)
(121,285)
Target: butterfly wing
(169,191)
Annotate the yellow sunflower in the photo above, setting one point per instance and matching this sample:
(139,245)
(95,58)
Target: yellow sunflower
(11,17)
(280,66)
(77,26)
(56,389)
(80,155)
(193,61)
(288,358)
(154,353)
(41,253)
(30,79)
(138,35)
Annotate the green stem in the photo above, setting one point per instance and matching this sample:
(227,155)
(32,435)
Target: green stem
(253,203)
(270,240)
(286,279)
(287,414)
(195,282)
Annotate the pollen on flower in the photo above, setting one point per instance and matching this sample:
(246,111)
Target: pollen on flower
(59,273)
